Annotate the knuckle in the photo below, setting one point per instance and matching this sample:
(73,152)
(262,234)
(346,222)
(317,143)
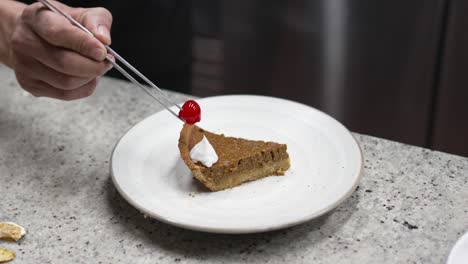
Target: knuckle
(26,14)
(29,12)
(17,41)
(22,40)
(80,14)
(79,10)
(36,6)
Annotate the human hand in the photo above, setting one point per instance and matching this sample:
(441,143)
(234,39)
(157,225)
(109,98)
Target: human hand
(53,58)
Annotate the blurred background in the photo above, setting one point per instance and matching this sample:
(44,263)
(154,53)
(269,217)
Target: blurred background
(391,68)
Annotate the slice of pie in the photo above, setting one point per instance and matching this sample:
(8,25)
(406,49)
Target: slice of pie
(239,160)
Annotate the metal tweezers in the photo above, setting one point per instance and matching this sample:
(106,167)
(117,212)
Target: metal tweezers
(148,90)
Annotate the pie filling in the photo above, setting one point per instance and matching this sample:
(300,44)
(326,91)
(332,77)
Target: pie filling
(236,178)
(240,160)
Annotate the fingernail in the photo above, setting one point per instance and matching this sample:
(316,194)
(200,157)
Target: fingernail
(109,67)
(98,54)
(104,31)
(111,57)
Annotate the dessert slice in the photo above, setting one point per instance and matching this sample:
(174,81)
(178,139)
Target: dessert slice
(239,160)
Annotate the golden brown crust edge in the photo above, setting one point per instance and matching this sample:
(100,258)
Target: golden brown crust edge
(184,140)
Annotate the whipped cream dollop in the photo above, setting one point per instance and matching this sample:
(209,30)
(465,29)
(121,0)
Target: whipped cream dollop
(203,152)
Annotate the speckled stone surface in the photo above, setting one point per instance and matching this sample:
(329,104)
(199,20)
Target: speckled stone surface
(411,206)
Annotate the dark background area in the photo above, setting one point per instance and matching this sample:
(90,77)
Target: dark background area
(392,68)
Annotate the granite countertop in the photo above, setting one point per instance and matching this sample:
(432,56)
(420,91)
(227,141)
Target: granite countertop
(411,205)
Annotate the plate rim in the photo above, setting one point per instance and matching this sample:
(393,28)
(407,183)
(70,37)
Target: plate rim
(456,248)
(246,230)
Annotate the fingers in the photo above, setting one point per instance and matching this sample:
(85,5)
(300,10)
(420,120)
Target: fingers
(72,63)
(36,70)
(97,20)
(58,31)
(41,89)
(53,58)
(27,44)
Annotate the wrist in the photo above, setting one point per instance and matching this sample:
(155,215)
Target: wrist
(9,13)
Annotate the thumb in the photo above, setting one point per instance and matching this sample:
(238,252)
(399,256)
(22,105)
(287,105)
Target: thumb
(99,21)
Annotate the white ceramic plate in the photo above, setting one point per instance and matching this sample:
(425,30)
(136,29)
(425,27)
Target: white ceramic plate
(459,253)
(326,166)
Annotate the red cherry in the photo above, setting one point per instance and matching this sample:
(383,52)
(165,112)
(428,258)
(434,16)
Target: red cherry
(191,112)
